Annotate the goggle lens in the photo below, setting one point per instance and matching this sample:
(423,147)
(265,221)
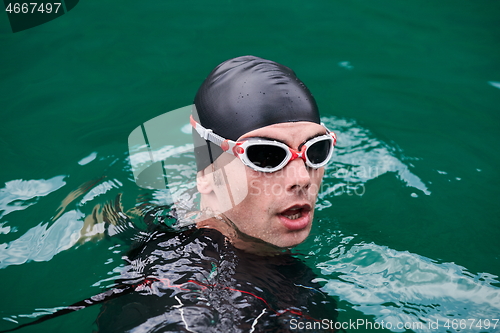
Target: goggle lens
(270,156)
(319,151)
(266,156)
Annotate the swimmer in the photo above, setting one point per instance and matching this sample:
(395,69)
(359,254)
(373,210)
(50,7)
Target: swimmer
(260,153)
(265,117)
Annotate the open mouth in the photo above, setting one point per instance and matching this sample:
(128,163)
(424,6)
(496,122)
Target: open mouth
(296,217)
(292,214)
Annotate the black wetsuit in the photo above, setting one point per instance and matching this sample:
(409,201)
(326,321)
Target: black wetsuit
(196,281)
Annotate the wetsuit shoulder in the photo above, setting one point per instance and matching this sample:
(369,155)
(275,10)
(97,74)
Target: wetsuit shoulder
(200,282)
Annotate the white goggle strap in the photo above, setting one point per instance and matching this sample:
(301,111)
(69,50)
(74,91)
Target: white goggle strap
(333,135)
(208,134)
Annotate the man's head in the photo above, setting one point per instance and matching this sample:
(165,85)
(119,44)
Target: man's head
(268,123)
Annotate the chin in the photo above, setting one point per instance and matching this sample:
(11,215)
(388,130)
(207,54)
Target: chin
(292,239)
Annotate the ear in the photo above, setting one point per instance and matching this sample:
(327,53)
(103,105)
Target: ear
(205,180)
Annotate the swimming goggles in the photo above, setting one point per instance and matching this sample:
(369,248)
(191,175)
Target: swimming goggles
(269,155)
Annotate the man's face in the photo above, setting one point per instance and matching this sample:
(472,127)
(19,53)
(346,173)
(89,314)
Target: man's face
(279,206)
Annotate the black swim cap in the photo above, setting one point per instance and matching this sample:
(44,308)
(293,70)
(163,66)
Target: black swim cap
(244,94)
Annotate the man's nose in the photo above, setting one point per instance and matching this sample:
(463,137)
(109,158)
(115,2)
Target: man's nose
(298,176)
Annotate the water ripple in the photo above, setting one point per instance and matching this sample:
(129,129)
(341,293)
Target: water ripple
(403,287)
(360,157)
(16,194)
(42,243)
(99,189)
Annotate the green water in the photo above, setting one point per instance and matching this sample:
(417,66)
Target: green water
(407,228)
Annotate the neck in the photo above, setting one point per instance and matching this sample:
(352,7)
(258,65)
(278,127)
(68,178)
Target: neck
(239,239)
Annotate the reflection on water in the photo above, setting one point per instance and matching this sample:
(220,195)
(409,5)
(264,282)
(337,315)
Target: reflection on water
(42,242)
(404,287)
(495,84)
(360,157)
(18,194)
(67,227)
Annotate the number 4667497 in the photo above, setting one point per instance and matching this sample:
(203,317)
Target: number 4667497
(33,7)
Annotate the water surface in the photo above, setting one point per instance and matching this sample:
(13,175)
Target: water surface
(407,225)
